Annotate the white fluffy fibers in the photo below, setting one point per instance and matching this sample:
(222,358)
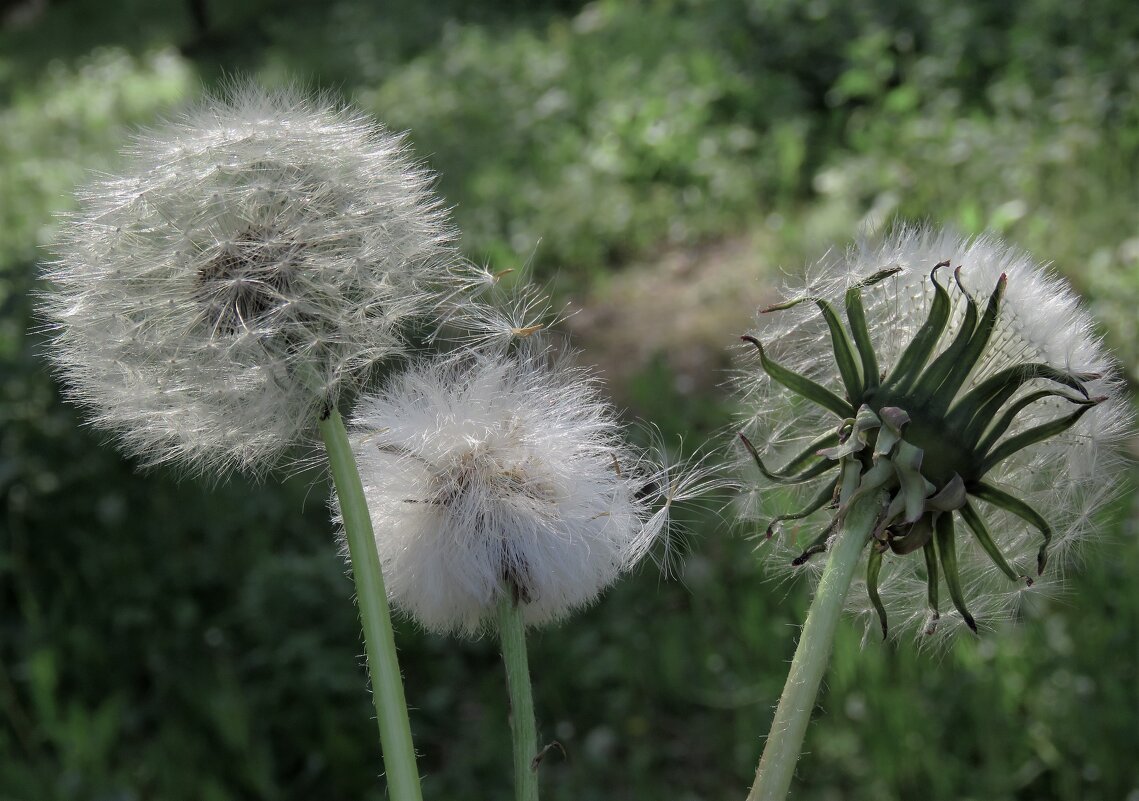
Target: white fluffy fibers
(489,473)
(251,261)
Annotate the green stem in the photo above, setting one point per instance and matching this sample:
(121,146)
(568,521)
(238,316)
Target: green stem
(512,632)
(379,642)
(777,765)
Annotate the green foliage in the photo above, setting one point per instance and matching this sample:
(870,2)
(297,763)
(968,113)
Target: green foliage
(171,640)
(549,136)
(1045,156)
(67,123)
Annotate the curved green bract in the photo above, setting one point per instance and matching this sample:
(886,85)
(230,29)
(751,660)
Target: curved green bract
(873,568)
(856,317)
(947,554)
(801,385)
(779,478)
(995,390)
(843,351)
(918,535)
(1032,436)
(981,532)
(930,381)
(1000,498)
(983,424)
(824,496)
(807,454)
(818,544)
(931,579)
(971,353)
(914,357)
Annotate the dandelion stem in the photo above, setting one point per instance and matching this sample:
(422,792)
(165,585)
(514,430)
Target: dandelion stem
(777,765)
(512,633)
(379,642)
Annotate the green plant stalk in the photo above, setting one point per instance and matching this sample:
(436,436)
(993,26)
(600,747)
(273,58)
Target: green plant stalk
(512,633)
(379,641)
(785,742)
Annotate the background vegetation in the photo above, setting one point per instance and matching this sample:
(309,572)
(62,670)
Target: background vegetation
(657,162)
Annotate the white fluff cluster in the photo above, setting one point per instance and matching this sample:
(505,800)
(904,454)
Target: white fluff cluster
(254,258)
(490,473)
(1066,478)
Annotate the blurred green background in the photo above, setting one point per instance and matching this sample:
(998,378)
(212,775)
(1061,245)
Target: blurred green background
(658,163)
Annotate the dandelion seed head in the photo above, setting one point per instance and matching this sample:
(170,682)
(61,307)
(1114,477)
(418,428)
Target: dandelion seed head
(1066,477)
(250,263)
(490,473)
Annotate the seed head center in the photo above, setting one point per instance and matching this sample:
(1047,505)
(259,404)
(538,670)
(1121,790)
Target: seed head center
(248,281)
(944,454)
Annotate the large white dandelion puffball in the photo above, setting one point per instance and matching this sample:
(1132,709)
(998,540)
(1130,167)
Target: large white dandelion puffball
(251,261)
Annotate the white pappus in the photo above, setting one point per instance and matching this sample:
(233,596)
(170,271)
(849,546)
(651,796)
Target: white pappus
(252,260)
(489,472)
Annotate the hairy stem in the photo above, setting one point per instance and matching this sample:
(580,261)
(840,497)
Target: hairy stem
(512,633)
(777,765)
(379,642)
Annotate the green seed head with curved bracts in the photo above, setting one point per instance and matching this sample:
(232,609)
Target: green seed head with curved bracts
(966,385)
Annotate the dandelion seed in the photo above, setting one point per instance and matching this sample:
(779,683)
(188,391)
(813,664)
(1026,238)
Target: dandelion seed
(970,390)
(254,259)
(492,316)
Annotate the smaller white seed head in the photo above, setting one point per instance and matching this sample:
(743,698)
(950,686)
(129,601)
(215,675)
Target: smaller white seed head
(255,257)
(489,473)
